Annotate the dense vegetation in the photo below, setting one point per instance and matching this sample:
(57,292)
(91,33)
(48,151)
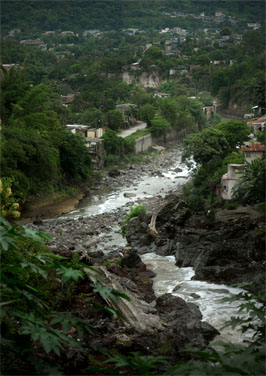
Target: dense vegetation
(38,154)
(110,14)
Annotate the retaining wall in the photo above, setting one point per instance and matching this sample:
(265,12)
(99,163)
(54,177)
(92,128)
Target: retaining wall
(143,143)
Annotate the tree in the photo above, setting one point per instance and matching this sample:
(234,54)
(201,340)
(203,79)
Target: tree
(113,144)
(75,159)
(159,126)
(147,113)
(203,59)
(235,131)
(225,31)
(114,119)
(31,160)
(218,80)
(12,90)
(250,188)
(252,41)
(168,109)
(93,117)
(205,146)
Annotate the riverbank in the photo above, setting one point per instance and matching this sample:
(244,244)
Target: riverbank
(155,325)
(105,181)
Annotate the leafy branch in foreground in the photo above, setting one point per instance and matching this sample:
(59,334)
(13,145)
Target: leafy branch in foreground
(32,323)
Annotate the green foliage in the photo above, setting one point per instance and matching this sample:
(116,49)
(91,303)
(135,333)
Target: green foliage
(139,364)
(251,185)
(33,282)
(93,117)
(261,136)
(235,131)
(135,211)
(9,205)
(159,127)
(37,153)
(113,144)
(114,119)
(169,109)
(147,113)
(75,160)
(205,146)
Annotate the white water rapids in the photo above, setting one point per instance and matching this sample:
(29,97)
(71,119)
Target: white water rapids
(168,275)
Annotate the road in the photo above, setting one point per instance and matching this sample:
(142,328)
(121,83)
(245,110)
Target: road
(128,132)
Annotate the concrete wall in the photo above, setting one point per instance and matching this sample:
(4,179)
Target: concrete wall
(171,137)
(143,143)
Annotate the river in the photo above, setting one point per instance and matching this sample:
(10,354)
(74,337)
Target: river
(168,276)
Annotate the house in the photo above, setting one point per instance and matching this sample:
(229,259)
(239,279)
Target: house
(96,150)
(93,142)
(85,130)
(125,110)
(7,67)
(235,171)
(209,111)
(69,98)
(229,180)
(161,95)
(254,26)
(257,124)
(253,151)
(94,32)
(34,42)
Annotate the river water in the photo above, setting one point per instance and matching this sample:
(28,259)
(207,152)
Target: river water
(168,277)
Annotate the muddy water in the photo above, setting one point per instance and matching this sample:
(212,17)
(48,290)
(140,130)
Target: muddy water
(144,187)
(168,276)
(208,296)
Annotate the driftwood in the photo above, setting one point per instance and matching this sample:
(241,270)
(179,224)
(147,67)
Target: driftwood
(152,225)
(137,313)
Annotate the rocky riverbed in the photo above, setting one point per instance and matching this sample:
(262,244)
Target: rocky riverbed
(226,247)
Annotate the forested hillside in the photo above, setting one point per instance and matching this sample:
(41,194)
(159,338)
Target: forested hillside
(35,16)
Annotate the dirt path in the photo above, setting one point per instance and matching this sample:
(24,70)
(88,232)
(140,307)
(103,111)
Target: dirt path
(128,132)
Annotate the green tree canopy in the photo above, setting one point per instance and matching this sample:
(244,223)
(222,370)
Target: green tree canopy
(113,144)
(205,146)
(114,119)
(235,131)
(159,126)
(93,117)
(147,113)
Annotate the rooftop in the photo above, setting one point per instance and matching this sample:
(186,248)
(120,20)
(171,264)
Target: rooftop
(253,147)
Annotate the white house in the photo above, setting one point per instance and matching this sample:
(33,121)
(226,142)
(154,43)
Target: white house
(229,180)
(253,151)
(235,171)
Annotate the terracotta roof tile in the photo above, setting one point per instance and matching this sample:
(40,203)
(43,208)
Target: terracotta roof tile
(253,147)
(260,120)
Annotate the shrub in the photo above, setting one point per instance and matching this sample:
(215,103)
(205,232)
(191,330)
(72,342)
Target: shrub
(33,282)
(135,211)
(251,186)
